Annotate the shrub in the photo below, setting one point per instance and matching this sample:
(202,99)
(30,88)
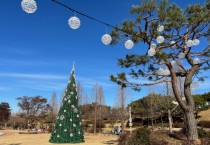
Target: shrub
(140,137)
(203,134)
(122,140)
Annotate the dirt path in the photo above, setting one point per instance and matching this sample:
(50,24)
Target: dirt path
(12,137)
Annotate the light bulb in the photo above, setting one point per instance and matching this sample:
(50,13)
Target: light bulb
(106,39)
(160,28)
(129,44)
(173,43)
(153,46)
(29,6)
(196,61)
(181,55)
(151,52)
(74,22)
(160,39)
(196,42)
(189,43)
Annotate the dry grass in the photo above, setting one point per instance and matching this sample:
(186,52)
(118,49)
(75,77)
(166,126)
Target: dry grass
(205,115)
(12,137)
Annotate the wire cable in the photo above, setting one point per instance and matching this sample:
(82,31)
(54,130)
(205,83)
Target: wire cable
(87,16)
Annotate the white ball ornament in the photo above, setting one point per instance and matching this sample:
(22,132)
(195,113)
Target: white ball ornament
(196,61)
(61,117)
(153,46)
(189,43)
(161,71)
(129,44)
(160,39)
(181,55)
(151,52)
(75,110)
(160,28)
(167,72)
(173,62)
(29,6)
(173,43)
(106,39)
(196,42)
(74,22)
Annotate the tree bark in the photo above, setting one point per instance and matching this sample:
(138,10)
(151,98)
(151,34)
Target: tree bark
(188,105)
(191,125)
(170,121)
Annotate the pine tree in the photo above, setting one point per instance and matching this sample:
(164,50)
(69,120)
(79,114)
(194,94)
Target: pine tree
(68,126)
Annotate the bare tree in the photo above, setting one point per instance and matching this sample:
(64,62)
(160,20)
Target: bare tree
(53,107)
(80,93)
(33,108)
(121,104)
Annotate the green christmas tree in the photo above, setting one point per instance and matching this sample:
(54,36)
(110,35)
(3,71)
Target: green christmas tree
(68,126)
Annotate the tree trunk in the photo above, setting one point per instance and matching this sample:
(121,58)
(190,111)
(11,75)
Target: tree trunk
(170,122)
(191,125)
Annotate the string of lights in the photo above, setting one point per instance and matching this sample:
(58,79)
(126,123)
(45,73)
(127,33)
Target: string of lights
(30,6)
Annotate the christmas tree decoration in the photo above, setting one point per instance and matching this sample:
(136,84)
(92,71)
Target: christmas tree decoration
(160,28)
(167,72)
(181,55)
(106,39)
(196,61)
(129,44)
(153,46)
(173,63)
(161,71)
(173,43)
(68,127)
(74,22)
(196,42)
(29,6)
(160,39)
(189,43)
(151,52)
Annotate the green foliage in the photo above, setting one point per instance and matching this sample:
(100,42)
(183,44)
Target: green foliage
(202,133)
(5,112)
(140,137)
(179,25)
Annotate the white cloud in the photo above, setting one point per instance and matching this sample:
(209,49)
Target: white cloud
(33,76)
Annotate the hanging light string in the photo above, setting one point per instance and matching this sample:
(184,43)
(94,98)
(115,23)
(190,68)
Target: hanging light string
(87,16)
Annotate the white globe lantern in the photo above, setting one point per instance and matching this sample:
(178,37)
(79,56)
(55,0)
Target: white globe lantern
(74,22)
(29,6)
(196,61)
(181,55)
(173,43)
(160,28)
(130,124)
(161,71)
(167,72)
(189,43)
(151,52)
(106,39)
(129,44)
(196,42)
(160,39)
(153,46)
(173,62)
(183,98)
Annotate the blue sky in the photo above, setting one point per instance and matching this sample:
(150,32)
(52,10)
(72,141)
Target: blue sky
(37,50)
